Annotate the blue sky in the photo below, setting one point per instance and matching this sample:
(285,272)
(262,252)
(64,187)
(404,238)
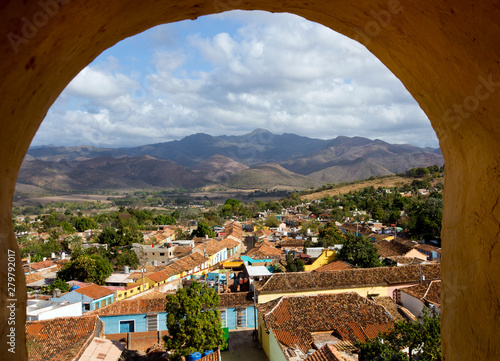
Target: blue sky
(230,74)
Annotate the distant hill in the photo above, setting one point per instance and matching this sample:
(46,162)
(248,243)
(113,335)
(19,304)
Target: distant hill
(108,173)
(218,168)
(271,176)
(257,160)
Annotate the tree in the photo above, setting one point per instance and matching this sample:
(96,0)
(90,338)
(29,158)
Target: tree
(330,234)
(127,257)
(293,264)
(422,338)
(83,223)
(359,251)
(164,220)
(88,268)
(193,320)
(272,221)
(58,283)
(202,230)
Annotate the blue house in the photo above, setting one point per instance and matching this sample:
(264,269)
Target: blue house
(136,315)
(140,315)
(92,297)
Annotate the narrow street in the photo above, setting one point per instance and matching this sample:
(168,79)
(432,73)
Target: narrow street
(243,348)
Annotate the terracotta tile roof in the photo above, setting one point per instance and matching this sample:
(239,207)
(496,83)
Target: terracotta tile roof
(134,276)
(190,261)
(367,232)
(235,299)
(94,291)
(428,247)
(427,291)
(181,250)
(336,265)
(60,339)
(211,247)
(264,251)
(150,295)
(263,233)
(156,276)
(132,307)
(233,229)
(291,242)
(327,353)
(392,248)
(33,277)
(433,293)
(348,316)
(42,265)
(266,243)
(153,268)
(294,282)
(229,243)
(406,260)
(390,307)
(214,356)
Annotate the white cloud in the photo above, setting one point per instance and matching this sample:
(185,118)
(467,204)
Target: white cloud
(277,71)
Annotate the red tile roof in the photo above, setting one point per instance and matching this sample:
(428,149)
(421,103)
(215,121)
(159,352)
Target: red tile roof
(229,243)
(389,306)
(211,247)
(33,277)
(132,307)
(406,260)
(41,265)
(348,316)
(294,282)
(327,353)
(235,299)
(392,248)
(60,339)
(427,291)
(264,251)
(428,247)
(94,291)
(291,242)
(214,356)
(336,265)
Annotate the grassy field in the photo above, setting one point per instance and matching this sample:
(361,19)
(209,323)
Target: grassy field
(64,198)
(387,182)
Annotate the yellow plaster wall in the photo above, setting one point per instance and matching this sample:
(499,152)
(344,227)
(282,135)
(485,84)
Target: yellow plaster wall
(326,257)
(362,291)
(446,53)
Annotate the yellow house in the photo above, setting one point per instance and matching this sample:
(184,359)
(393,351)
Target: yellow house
(381,281)
(326,257)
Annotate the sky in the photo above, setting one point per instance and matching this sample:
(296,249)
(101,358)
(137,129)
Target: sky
(229,74)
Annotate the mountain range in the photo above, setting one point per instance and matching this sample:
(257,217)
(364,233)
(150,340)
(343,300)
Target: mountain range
(257,160)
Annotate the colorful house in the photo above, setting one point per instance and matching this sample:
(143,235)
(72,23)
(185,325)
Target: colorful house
(382,281)
(293,325)
(92,297)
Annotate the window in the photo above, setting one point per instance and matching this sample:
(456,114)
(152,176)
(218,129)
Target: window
(223,316)
(86,306)
(241,317)
(152,322)
(162,254)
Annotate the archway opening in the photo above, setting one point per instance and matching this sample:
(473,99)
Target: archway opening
(425,48)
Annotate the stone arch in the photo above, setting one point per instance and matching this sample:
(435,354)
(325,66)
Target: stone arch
(446,53)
